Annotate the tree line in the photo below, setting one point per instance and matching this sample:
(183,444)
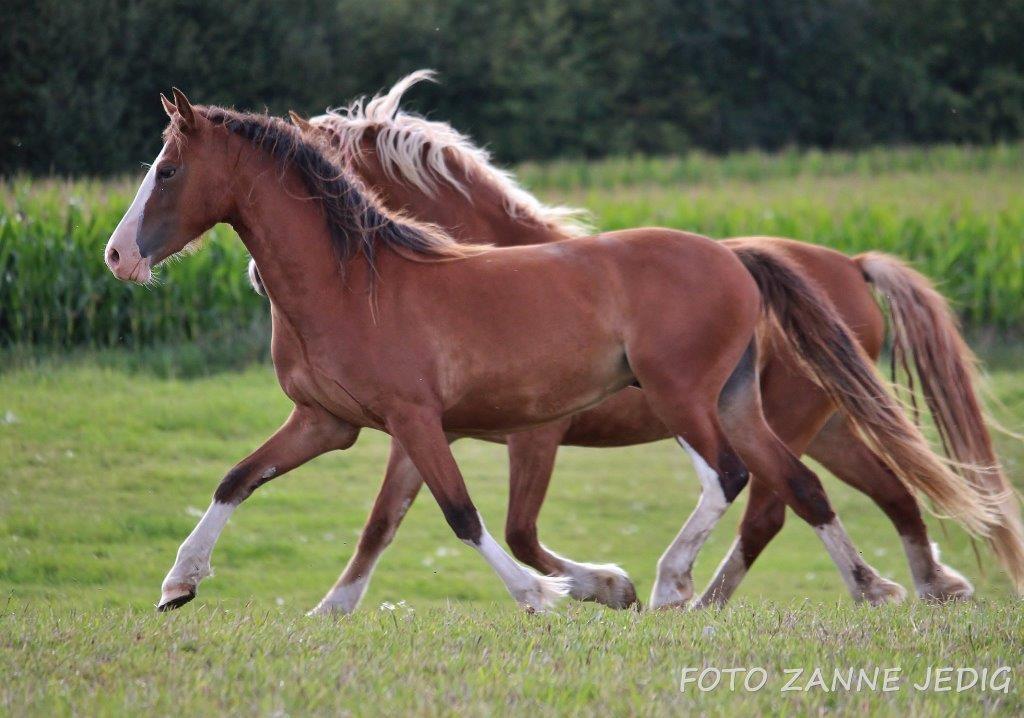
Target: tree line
(531,79)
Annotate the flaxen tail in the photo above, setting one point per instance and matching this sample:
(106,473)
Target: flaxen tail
(927,342)
(831,356)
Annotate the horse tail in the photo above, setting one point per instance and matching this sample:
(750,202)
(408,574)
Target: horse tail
(926,336)
(832,358)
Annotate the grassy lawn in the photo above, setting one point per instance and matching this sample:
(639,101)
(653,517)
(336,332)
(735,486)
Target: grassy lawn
(105,471)
(108,459)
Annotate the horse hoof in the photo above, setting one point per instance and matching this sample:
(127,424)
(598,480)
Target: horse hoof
(884,591)
(622,595)
(627,598)
(672,592)
(608,585)
(947,586)
(328,609)
(170,603)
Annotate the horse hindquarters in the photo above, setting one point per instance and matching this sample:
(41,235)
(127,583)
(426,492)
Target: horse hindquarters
(684,383)
(683,349)
(780,472)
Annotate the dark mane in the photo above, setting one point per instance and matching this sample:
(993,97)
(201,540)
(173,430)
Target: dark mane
(356,220)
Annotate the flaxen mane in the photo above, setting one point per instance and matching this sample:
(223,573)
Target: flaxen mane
(415,150)
(358,223)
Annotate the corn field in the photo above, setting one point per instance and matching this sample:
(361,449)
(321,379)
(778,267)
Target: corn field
(956,213)
(56,291)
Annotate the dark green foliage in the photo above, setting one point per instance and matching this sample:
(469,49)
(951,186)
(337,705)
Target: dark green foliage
(79,80)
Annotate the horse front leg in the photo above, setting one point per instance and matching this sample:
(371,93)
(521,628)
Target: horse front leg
(402,483)
(423,437)
(307,433)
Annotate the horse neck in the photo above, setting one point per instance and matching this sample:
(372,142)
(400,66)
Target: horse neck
(481,218)
(286,233)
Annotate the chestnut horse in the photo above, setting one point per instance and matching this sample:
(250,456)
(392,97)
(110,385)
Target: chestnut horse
(370,329)
(430,171)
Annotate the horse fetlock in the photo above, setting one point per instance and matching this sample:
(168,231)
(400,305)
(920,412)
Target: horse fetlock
(182,582)
(880,591)
(542,593)
(344,598)
(946,584)
(672,589)
(330,608)
(606,584)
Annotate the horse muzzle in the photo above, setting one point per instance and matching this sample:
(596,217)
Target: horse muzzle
(123,257)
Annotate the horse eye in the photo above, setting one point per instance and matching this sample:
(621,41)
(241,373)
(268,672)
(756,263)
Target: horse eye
(166,172)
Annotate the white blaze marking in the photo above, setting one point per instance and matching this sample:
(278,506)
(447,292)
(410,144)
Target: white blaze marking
(128,228)
(676,563)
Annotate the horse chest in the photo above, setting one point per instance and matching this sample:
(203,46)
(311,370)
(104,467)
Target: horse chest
(305,384)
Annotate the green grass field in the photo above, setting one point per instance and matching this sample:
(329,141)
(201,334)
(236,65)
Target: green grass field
(117,421)
(105,471)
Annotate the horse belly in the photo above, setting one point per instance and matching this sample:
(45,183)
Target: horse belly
(623,419)
(510,401)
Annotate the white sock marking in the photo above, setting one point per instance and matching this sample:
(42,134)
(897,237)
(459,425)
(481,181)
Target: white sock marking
(193,562)
(841,549)
(344,597)
(348,592)
(603,582)
(674,584)
(526,585)
(871,587)
(932,579)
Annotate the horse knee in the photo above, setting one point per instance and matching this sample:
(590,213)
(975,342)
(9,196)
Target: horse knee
(465,522)
(377,533)
(239,483)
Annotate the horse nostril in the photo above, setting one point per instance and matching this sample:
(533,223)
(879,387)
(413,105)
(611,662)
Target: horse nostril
(113,257)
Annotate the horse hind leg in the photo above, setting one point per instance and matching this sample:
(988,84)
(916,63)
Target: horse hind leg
(840,451)
(722,476)
(799,487)
(689,411)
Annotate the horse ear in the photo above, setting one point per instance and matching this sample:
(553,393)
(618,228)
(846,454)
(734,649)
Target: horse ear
(169,107)
(184,108)
(299,122)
